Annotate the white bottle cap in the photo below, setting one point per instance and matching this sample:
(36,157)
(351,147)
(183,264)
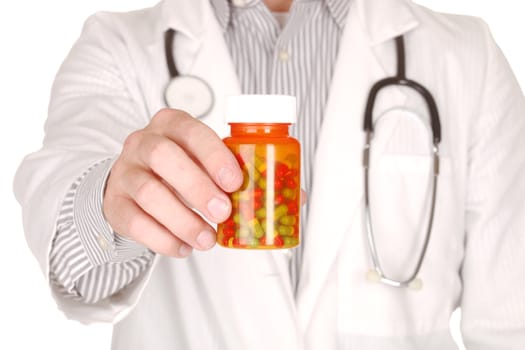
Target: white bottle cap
(261,109)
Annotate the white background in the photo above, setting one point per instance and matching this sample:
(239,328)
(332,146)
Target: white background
(35,36)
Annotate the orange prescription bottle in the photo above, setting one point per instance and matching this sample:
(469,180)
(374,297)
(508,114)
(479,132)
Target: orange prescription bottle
(265,210)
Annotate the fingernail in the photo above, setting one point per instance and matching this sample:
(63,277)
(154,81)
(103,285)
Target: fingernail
(185,250)
(226,177)
(206,239)
(218,208)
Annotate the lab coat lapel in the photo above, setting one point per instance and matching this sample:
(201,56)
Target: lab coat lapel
(366,55)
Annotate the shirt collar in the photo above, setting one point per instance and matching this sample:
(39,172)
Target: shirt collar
(338,9)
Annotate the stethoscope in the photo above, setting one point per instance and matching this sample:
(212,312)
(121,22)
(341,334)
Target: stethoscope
(184,91)
(192,94)
(377,273)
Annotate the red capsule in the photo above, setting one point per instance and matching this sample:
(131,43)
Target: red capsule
(278,184)
(257,204)
(278,241)
(229,222)
(281,169)
(258,193)
(279,199)
(290,183)
(292,208)
(228,232)
(292,172)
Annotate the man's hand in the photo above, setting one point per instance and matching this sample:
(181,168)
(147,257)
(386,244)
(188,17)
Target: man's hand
(174,164)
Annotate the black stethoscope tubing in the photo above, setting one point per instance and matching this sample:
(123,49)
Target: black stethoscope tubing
(400,79)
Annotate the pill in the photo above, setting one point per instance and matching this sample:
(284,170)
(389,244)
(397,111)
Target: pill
(237,218)
(290,183)
(281,169)
(279,199)
(288,220)
(278,241)
(260,213)
(290,241)
(288,193)
(280,211)
(278,184)
(258,193)
(285,230)
(228,231)
(292,208)
(256,228)
(260,164)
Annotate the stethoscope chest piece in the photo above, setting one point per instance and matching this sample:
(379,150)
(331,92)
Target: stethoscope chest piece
(190,94)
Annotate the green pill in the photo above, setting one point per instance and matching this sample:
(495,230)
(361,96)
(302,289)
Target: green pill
(288,220)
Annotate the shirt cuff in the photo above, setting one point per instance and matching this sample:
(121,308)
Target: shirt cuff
(99,240)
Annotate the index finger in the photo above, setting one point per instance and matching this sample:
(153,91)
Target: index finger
(202,144)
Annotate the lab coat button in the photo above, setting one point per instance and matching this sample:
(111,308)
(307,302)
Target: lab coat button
(284,56)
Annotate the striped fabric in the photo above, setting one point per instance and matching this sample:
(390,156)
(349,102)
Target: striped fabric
(89,262)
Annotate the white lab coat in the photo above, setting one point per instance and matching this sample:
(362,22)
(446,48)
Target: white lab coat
(112,83)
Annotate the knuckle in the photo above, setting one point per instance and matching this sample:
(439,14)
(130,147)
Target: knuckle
(133,140)
(162,115)
(169,116)
(158,152)
(151,188)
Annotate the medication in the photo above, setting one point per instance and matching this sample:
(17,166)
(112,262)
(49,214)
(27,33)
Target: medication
(265,210)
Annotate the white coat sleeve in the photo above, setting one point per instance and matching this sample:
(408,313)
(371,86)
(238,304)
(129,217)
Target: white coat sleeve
(493,273)
(90,114)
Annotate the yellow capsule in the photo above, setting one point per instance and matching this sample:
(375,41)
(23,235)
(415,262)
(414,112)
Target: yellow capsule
(256,175)
(253,242)
(230,242)
(262,183)
(288,220)
(237,218)
(286,230)
(260,213)
(240,196)
(290,241)
(256,228)
(288,193)
(280,211)
(260,164)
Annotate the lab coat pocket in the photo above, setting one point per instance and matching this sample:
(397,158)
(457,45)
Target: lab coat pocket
(400,188)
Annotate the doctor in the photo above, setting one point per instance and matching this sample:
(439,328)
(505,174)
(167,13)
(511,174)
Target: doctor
(105,201)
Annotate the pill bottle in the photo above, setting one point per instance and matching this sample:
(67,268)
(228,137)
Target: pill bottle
(265,210)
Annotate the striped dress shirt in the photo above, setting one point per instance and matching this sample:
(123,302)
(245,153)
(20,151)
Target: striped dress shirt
(89,261)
